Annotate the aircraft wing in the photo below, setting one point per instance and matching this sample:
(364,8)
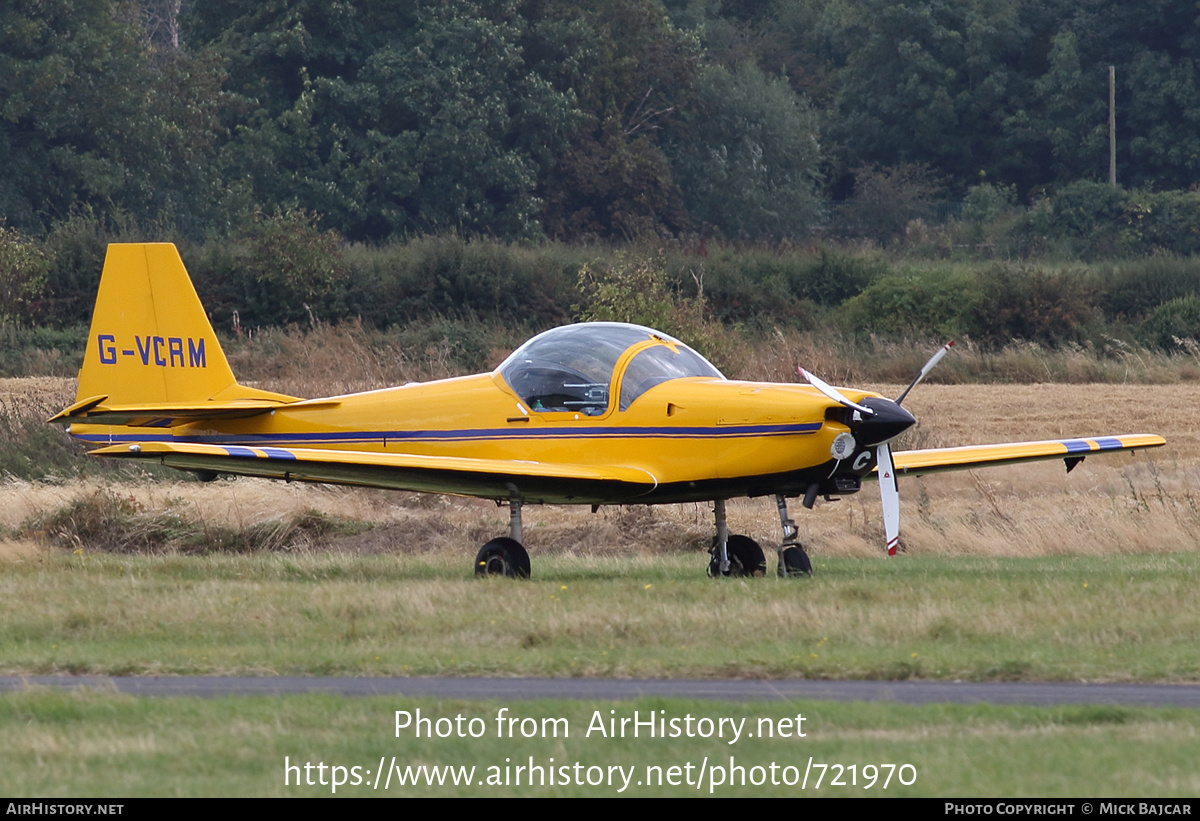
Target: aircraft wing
(486,478)
(1071,451)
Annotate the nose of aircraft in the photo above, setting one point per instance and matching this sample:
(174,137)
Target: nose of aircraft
(889,421)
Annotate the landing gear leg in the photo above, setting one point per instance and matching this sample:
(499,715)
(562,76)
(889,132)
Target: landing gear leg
(733,555)
(514,517)
(793,561)
(719,566)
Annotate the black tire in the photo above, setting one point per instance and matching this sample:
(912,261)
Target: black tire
(745,558)
(502,557)
(794,562)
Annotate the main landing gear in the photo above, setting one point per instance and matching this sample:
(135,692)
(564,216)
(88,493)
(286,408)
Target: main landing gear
(505,556)
(735,555)
(731,555)
(502,557)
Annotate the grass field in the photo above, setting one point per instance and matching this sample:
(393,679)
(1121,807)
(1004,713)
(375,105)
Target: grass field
(974,618)
(99,744)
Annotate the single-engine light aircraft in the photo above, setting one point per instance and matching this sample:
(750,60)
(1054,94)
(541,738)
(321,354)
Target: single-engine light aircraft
(602,413)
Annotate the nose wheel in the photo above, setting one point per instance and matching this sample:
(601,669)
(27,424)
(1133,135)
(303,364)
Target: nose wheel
(793,561)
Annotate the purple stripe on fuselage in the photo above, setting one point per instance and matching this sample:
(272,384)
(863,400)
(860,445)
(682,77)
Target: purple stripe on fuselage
(573,432)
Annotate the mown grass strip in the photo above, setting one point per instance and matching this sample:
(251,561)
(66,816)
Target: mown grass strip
(103,744)
(1046,618)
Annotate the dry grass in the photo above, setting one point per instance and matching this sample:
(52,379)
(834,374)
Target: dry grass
(32,394)
(850,362)
(20,550)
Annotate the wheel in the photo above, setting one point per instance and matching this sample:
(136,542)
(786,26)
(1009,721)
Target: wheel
(793,561)
(745,558)
(502,557)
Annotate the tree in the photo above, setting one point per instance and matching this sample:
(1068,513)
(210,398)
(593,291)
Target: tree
(1072,114)
(89,118)
(388,117)
(930,82)
(23,267)
(746,157)
(887,199)
(631,73)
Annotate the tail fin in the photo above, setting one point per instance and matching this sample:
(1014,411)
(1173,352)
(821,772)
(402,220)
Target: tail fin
(151,344)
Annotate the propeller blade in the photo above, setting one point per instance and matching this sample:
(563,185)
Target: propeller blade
(889,494)
(834,394)
(933,360)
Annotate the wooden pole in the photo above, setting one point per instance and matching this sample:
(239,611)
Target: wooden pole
(1112,126)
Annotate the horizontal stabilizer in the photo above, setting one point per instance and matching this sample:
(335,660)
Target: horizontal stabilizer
(160,414)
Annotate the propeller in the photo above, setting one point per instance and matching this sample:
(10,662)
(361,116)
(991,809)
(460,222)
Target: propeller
(889,495)
(877,422)
(833,393)
(933,360)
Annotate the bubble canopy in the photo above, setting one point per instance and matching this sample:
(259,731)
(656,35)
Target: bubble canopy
(579,367)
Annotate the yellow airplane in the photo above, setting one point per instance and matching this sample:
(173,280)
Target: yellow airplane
(601,413)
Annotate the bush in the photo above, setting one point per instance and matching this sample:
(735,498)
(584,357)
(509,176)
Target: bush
(639,291)
(1100,220)
(832,277)
(993,305)
(1082,208)
(452,277)
(76,247)
(1021,302)
(986,202)
(41,350)
(291,270)
(1089,215)
(758,288)
(1171,322)
(1164,221)
(23,269)
(886,199)
(916,304)
(1132,289)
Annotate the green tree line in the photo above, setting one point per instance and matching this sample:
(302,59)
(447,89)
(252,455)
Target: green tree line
(605,119)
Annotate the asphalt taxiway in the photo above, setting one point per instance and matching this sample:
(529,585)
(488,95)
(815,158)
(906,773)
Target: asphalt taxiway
(510,689)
